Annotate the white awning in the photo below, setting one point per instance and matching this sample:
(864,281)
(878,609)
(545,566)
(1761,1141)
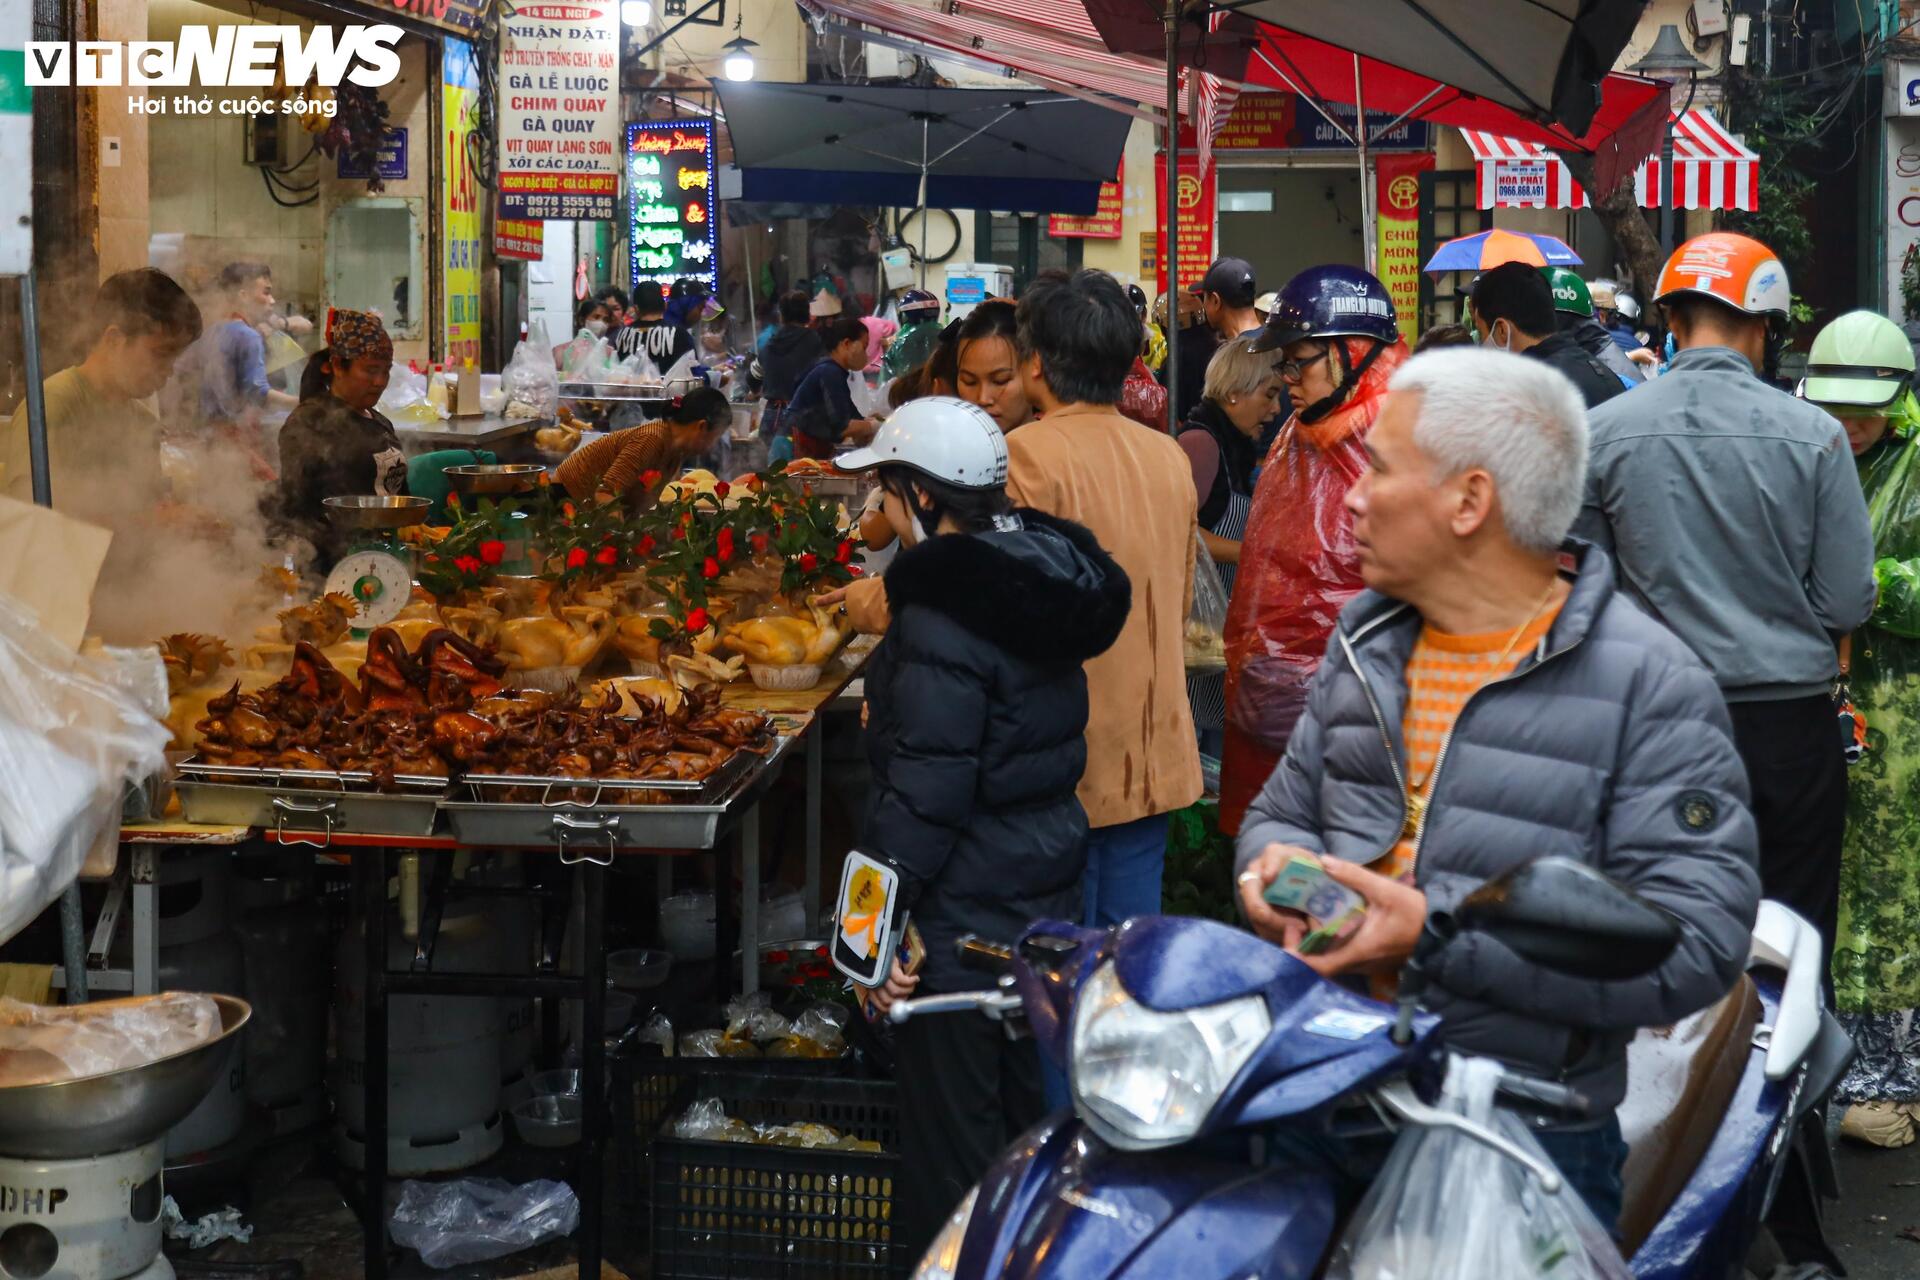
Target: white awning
(1711,170)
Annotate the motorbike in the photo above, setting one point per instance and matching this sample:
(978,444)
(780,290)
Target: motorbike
(1185,1039)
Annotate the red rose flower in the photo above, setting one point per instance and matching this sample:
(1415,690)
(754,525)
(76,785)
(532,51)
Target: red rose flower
(843,554)
(679,534)
(644,546)
(710,568)
(493,551)
(608,555)
(467,564)
(697,621)
(855,570)
(577,558)
(433,559)
(759,541)
(755,484)
(809,562)
(649,478)
(723,544)
(566,509)
(722,489)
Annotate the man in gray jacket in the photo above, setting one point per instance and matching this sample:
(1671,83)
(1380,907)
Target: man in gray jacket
(1490,700)
(1735,516)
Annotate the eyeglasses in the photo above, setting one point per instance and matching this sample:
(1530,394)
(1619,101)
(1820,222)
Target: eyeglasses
(1296,370)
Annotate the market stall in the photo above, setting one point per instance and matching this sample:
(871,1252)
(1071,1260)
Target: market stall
(532,683)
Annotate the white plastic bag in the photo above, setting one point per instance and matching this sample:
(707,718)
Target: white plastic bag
(73,736)
(473,1219)
(1449,1207)
(530,381)
(866,399)
(1205,641)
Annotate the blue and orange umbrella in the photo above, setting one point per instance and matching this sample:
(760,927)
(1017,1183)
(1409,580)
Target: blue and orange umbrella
(1489,249)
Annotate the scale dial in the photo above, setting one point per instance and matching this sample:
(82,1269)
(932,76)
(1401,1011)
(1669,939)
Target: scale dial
(378,582)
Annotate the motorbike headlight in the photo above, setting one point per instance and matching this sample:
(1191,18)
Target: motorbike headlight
(1146,1079)
(942,1259)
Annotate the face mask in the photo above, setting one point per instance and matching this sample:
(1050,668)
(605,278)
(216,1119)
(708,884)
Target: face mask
(919,530)
(598,328)
(1501,344)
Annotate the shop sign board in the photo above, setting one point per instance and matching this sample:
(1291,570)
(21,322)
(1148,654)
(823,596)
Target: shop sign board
(1103,223)
(16,141)
(1195,225)
(1286,122)
(460,203)
(460,17)
(390,162)
(1518,183)
(1397,196)
(519,239)
(559,110)
(671,217)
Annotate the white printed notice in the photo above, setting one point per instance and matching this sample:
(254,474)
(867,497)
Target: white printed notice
(560,111)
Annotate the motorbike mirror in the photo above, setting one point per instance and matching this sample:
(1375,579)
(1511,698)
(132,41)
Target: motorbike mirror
(1565,916)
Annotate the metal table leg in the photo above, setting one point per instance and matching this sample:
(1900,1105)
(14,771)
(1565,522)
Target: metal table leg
(749,902)
(816,756)
(726,924)
(146,919)
(370,870)
(73,945)
(593,1071)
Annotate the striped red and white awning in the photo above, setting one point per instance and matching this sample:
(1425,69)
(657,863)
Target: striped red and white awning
(1711,170)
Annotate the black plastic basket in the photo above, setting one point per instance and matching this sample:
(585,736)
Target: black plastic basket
(730,1210)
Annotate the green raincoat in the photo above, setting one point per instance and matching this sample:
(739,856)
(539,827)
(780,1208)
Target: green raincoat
(1876,962)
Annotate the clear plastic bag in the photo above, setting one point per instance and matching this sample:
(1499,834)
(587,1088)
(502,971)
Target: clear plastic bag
(1449,1207)
(1205,638)
(530,380)
(405,399)
(74,733)
(658,1032)
(707,1121)
(472,1220)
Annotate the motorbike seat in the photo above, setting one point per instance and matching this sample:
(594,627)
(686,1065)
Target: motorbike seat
(1680,1081)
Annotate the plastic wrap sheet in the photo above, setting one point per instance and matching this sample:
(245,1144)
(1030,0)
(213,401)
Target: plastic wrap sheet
(42,1044)
(1298,569)
(74,732)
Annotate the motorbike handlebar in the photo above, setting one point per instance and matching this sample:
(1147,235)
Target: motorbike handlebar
(982,956)
(1545,1095)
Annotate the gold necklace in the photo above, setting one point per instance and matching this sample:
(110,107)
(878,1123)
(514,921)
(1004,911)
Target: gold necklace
(1416,787)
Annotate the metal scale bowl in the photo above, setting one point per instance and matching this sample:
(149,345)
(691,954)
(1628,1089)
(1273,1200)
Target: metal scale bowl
(377,571)
(487,479)
(80,1177)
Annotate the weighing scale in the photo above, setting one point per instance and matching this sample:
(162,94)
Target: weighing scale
(495,480)
(80,1177)
(376,573)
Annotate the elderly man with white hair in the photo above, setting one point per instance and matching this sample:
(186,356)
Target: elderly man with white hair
(1489,700)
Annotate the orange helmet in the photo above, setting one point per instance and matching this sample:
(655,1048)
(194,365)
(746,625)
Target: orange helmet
(1732,269)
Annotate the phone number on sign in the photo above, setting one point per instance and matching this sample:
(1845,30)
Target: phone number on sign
(538,208)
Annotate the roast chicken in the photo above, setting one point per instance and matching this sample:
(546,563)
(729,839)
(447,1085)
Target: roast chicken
(787,642)
(573,639)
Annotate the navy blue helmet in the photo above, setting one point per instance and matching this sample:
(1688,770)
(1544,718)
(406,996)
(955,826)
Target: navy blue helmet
(1330,302)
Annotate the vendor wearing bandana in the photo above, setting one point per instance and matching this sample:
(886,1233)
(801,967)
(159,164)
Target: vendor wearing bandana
(336,444)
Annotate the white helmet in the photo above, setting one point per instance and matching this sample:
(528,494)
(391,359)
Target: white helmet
(1627,307)
(940,437)
(1603,293)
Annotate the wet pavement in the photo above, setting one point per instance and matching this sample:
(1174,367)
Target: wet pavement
(1880,1199)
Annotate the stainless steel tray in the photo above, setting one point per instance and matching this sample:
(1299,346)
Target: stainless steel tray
(304,803)
(628,391)
(582,832)
(556,790)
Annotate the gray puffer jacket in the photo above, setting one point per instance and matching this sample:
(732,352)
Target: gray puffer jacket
(1610,743)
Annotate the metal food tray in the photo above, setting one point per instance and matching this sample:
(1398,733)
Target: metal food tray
(628,392)
(300,801)
(594,832)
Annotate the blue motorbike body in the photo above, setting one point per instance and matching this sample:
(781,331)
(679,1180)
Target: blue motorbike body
(1063,1203)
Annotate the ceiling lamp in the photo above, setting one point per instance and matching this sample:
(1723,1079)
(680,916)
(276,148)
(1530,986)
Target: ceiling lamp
(739,60)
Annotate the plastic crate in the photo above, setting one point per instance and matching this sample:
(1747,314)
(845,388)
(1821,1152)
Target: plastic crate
(729,1210)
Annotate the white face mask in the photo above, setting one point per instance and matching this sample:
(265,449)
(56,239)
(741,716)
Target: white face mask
(1502,344)
(918,530)
(598,328)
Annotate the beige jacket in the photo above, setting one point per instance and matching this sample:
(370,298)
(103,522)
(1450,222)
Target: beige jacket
(1133,488)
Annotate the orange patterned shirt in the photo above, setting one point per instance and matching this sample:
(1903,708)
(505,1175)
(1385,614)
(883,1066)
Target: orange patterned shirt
(1442,673)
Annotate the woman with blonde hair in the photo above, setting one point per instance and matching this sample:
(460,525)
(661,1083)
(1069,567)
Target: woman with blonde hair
(1221,441)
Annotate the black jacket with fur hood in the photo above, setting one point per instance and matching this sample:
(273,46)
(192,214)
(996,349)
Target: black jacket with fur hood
(977,711)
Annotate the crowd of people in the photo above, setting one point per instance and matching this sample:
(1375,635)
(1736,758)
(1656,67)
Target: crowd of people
(1533,590)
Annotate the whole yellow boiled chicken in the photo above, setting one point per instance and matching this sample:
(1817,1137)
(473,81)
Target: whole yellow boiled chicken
(573,639)
(786,642)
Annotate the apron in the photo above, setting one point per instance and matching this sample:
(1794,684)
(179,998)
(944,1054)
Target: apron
(1208,694)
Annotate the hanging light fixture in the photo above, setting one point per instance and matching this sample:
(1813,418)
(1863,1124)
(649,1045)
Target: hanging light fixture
(739,60)
(636,13)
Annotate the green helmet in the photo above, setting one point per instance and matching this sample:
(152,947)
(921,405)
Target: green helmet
(1570,294)
(1860,361)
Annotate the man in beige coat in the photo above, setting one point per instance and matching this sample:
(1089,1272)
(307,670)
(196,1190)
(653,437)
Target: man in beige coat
(1131,486)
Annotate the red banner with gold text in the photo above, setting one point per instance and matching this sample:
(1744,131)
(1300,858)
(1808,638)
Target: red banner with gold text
(1397,188)
(1196,218)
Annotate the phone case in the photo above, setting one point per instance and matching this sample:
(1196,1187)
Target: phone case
(868,918)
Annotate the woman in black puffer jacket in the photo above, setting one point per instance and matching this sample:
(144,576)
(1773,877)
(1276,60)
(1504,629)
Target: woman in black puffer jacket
(977,711)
